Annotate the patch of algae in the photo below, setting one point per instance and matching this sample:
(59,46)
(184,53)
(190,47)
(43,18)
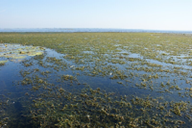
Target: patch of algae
(3,61)
(35,53)
(19,52)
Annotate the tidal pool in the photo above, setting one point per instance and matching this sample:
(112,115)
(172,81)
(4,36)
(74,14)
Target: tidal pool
(101,86)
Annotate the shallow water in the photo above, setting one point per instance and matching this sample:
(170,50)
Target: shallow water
(53,90)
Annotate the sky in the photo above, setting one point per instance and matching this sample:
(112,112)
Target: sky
(120,14)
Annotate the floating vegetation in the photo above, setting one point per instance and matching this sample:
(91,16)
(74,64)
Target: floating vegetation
(95,80)
(2,62)
(17,51)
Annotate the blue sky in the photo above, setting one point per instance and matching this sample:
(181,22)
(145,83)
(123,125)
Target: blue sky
(125,14)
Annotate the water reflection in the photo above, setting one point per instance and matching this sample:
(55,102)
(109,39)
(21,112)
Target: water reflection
(51,90)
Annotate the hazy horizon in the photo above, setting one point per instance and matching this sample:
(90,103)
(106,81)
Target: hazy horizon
(99,28)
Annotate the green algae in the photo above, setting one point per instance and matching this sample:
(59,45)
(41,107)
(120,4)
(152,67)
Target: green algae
(54,102)
(15,51)
(2,62)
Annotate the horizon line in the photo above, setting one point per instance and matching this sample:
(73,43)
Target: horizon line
(104,29)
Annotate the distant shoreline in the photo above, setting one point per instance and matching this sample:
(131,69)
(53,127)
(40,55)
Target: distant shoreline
(91,30)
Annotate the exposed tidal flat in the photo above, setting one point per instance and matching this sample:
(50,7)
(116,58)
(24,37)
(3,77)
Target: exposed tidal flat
(95,80)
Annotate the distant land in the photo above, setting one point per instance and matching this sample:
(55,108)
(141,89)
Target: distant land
(72,30)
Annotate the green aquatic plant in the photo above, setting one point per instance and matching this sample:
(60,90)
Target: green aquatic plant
(2,62)
(19,52)
(102,60)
